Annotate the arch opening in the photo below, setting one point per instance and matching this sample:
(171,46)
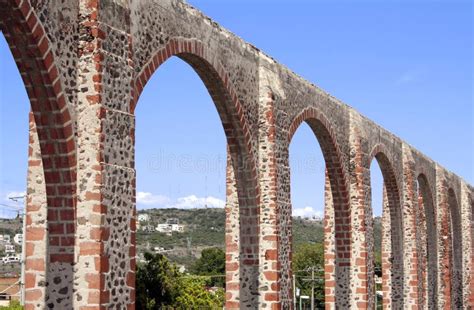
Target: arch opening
(336,223)
(377,197)
(307,185)
(391,247)
(240,221)
(13,169)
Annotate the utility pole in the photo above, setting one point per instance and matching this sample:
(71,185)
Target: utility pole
(312,279)
(294,291)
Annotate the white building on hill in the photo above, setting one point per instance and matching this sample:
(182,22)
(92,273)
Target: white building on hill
(18,239)
(169,228)
(144,217)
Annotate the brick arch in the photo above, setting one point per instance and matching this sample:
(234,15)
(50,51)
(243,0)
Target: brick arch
(337,284)
(392,261)
(217,82)
(427,235)
(51,117)
(230,110)
(452,258)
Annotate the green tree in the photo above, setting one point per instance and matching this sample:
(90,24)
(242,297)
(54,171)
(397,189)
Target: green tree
(211,263)
(306,257)
(378,263)
(156,283)
(193,295)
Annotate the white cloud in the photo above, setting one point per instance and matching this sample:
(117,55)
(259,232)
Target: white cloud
(307,212)
(192,201)
(149,199)
(407,77)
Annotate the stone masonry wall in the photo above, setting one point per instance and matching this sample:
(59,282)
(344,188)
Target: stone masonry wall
(84,64)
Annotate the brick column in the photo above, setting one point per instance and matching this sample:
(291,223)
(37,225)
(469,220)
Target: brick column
(275,208)
(470,293)
(362,249)
(444,276)
(330,252)
(50,230)
(467,223)
(424,269)
(409,212)
(232,243)
(428,248)
(105,238)
(387,255)
(450,291)
(270,268)
(471,286)
(36,237)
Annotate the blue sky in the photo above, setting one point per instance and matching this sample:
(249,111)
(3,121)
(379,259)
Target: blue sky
(406,65)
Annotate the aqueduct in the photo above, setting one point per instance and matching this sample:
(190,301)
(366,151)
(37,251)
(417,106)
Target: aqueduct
(84,64)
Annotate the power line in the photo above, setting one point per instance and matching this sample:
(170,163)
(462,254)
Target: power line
(11,207)
(202,276)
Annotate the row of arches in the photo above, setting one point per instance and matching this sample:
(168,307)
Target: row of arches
(391,240)
(56,139)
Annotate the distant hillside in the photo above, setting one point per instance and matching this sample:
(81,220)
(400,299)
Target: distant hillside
(10,226)
(205,228)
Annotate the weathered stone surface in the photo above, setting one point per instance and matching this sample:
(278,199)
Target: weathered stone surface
(85,63)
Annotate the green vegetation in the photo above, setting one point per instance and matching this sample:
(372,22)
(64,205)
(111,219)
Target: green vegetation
(305,231)
(200,248)
(203,228)
(377,233)
(211,263)
(14,305)
(161,286)
(308,259)
(156,282)
(193,295)
(10,227)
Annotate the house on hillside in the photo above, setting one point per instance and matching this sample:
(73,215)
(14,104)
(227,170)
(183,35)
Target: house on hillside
(169,228)
(172,221)
(9,249)
(18,239)
(147,228)
(5,238)
(143,217)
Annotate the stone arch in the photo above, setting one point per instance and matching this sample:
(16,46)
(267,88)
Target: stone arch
(392,248)
(243,165)
(217,82)
(427,235)
(337,247)
(53,127)
(454,250)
